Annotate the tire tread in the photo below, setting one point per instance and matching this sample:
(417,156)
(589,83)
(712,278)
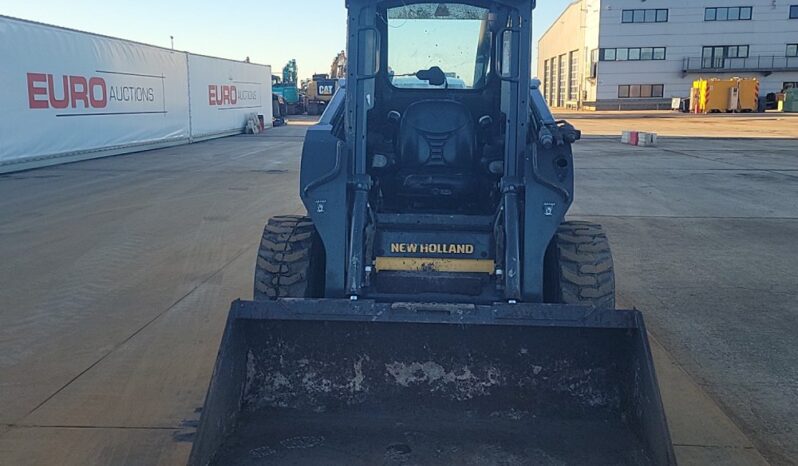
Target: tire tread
(288,264)
(584,270)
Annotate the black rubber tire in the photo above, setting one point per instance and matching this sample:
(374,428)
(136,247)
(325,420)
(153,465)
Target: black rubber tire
(579,268)
(290,260)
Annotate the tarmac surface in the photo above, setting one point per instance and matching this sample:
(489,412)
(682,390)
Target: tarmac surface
(118,273)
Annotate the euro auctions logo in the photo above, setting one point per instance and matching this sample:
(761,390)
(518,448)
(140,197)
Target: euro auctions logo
(222,95)
(74,91)
(114,93)
(240,95)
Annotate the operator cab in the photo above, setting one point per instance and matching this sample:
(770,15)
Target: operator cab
(432,142)
(439,163)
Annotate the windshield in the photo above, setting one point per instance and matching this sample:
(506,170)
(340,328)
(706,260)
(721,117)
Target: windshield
(452,37)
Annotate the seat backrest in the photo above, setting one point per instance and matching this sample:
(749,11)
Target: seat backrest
(436,133)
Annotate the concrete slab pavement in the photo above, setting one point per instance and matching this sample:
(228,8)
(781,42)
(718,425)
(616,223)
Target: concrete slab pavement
(94,251)
(35,446)
(700,431)
(121,272)
(704,245)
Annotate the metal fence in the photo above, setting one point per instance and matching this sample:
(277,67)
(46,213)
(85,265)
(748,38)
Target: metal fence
(761,63)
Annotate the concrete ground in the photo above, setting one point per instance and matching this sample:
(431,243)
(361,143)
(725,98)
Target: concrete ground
(674,124)
(704,237)
(118,273)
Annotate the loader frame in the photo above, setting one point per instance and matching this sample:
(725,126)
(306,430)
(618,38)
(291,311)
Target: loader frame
(342,367)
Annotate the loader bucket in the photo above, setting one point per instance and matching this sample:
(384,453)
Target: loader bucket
(336,382)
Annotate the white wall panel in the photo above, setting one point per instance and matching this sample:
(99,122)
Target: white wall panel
(64,93)
(67,95)
(224,92)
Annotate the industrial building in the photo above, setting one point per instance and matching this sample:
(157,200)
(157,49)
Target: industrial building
(638,54)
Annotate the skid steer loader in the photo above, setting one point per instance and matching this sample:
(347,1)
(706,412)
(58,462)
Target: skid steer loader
(434,307)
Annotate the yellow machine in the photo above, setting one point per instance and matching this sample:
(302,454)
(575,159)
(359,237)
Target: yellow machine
(725,95)
(321,88)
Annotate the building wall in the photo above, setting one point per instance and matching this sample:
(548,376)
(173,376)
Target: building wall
(564,37)
(597,24)
(592,11)
(685,34)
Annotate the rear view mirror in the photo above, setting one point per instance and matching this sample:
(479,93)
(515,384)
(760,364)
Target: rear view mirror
(434,76)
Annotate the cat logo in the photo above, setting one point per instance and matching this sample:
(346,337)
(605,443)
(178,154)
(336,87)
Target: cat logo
(326,89)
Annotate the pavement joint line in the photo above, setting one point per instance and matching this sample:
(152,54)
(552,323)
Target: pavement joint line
(680,217)
(685,154)
(615,137)
(771,171)
(699,170)
(139,330)
(47,426)
(724,447)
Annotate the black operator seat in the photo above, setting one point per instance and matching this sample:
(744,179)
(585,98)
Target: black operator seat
(436,149)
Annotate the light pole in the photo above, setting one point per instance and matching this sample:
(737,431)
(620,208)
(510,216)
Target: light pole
(172,38)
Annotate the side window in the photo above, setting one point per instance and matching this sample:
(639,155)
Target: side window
(651,15)
(628,16)
(730,13)
(641,91)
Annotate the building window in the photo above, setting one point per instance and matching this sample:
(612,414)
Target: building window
(553,84)
(594,56)
(561,81)
(792,50)
(546,83)
(716,56)
(731,13)
(573,76)
(794,12)
(641,91)
(645,16)
(635,53)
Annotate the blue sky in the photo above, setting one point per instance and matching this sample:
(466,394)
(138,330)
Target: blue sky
(268,31)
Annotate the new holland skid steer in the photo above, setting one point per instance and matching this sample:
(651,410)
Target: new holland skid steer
(434,307)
